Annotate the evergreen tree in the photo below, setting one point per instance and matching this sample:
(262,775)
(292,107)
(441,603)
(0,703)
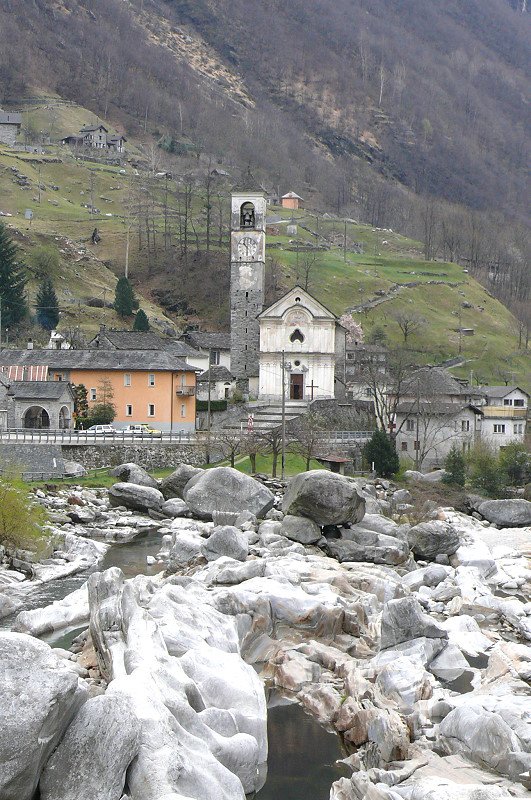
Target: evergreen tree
(12,282)
(381,451)
(141,322)
(47,305)
(124,298)
(454,465)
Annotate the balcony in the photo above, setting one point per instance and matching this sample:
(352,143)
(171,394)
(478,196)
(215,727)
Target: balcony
(504,412)
(185,391)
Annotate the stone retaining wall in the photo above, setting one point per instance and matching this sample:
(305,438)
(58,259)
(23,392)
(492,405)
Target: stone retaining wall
(149,456)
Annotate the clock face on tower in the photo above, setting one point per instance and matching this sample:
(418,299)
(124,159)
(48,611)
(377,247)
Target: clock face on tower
(247,248)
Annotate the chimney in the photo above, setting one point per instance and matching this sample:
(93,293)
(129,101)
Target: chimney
(29,346)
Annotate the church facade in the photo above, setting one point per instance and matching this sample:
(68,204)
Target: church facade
(298,337)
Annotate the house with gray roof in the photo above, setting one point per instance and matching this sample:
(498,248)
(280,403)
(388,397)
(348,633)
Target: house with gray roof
(211,349)
(10,124)
(36,404)
(221,380)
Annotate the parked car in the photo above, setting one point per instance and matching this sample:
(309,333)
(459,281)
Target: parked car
(142,429)
(100,430)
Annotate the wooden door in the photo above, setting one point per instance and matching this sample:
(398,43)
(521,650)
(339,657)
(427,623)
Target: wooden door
(296,386)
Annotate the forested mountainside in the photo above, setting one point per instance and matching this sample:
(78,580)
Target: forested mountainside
(408,115)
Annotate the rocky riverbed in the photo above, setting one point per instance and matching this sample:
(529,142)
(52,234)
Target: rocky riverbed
(404,630)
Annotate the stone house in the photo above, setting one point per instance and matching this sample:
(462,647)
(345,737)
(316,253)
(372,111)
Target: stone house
(307,335)
(10,124)
(146,385)
(222,384)
(94,136)
(36,405)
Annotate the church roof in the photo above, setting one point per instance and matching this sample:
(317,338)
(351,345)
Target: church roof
(306,301)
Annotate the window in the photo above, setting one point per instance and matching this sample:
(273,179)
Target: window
(519,428)
(215,356)
(296,336)
(368,391)
(466,447)
(151,410)
(416,445)
(410,425)
(183,410)
(507,401)
(465,425)
(129,410)
(183,380)
(227,392)
(127,379)
(519,402)
(151,379)
(499,428)
(404,446)
(93,394)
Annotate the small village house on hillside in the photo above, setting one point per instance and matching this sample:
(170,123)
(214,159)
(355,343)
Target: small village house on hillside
(209,348)
(96,136)
(291,200)
(146,386)
(10,124)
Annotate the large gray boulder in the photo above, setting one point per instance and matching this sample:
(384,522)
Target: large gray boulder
(226,489)
(507,513)
(431,539)
(226,540)
(427,477)
(376,548)
(173,485)
(132,473)
(137,498)
(91,760)
(39,696)
(325,497)
(403,620)
(300,529)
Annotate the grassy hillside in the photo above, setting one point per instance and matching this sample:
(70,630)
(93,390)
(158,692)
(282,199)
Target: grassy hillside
(375,273)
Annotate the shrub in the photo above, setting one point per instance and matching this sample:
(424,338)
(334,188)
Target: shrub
(485,473)
(455,467)
(381,451)
(21,520)
(515,462)
(215,405)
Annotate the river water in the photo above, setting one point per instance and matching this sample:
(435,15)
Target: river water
(301,752)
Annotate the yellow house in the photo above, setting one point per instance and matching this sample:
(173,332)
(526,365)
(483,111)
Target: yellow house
(150,386)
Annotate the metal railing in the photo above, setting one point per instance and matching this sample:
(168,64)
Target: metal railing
(79,437)
(346,436)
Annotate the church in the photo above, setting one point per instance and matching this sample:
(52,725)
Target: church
(289,347)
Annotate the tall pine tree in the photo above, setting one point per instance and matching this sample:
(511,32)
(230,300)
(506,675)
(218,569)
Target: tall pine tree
(47,305)
(124,297)
(141,322)
(12,282)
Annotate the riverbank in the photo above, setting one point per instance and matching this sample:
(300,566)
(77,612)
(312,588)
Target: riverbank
(411,641)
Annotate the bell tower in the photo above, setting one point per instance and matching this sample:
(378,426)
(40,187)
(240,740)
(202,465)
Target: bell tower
(247,275)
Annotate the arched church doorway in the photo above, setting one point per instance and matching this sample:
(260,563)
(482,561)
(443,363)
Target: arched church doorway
(36,417)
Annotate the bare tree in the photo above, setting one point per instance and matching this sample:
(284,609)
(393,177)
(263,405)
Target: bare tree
(230,443)
(388,387)
(409,322)
(252,444)
(273,444)
(306,268)
(308,436)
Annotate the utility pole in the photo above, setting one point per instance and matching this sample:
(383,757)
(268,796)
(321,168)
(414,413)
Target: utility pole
(345,242)
(209,424)
(283,456)
(417,442)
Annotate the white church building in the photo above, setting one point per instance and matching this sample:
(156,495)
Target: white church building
(302,335)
